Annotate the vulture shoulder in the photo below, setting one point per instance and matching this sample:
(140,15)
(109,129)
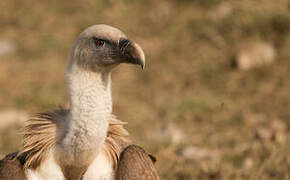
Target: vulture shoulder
(136,164)
(39,137)
(11,168)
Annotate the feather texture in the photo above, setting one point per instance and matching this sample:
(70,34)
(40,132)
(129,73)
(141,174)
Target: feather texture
(117,139)
(11,168)
(40,135)
(136,164)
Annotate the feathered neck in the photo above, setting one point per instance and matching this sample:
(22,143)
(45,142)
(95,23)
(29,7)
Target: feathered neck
(86,126)
(96,86)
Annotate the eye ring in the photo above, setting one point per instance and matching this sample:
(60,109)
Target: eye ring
(99,42)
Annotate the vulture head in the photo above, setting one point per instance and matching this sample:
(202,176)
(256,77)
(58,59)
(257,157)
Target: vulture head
(102,47)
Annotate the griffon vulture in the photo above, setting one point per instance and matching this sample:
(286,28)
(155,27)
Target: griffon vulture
(85,141)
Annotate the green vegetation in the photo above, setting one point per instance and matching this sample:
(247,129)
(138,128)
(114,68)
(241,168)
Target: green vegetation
(237,121)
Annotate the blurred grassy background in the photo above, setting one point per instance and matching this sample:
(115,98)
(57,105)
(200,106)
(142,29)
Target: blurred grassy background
(201,117)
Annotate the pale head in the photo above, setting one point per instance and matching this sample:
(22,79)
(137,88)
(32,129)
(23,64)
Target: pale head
(102,47)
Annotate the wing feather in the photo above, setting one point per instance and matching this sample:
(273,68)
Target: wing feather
(11,168)
(136,164)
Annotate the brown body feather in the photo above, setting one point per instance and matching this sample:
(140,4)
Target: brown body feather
(11,168)
(136,164)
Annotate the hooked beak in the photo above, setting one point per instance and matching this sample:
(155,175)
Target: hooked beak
(131,52)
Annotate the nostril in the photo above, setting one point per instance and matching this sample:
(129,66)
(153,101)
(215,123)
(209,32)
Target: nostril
(123,43)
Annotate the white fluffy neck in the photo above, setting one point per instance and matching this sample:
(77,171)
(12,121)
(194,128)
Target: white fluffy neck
(90,111)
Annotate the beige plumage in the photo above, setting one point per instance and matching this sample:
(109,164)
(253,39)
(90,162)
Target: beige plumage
(86,140)
(39,137)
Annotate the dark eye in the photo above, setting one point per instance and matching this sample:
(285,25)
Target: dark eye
(99,42)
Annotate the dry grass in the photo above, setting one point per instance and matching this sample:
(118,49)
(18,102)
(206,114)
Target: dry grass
(235,122)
